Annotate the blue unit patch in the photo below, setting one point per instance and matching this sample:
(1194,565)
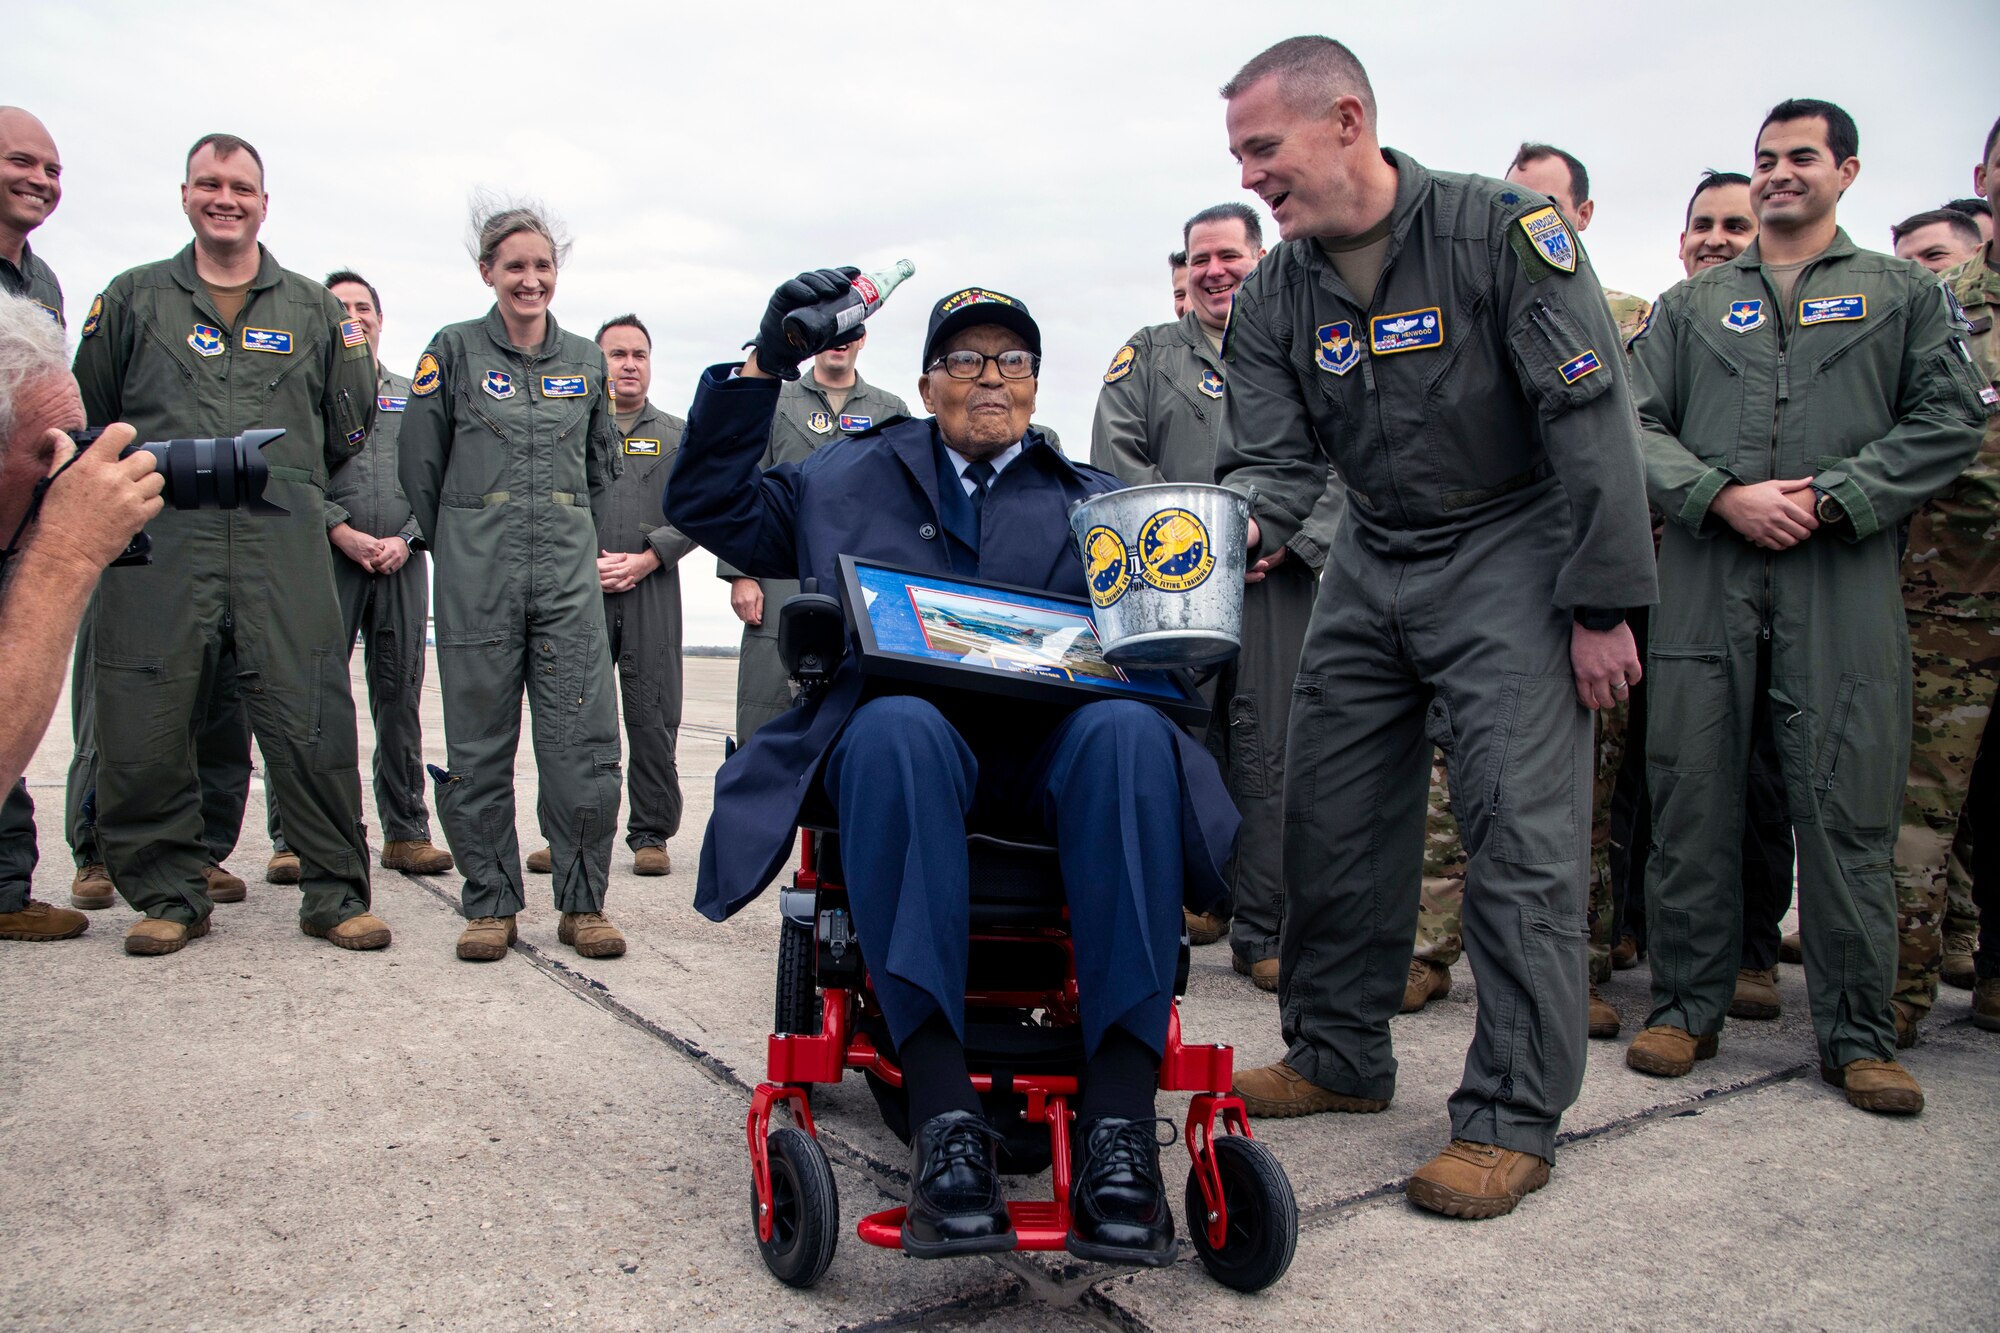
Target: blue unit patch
(1337,353)
(1211,383)
(820,422)
(1550,237)
(1587,364)
(565,386)
(267,340)
(1406,331)
(1744,316)
(852,422)
(357,436)
(1828,309)
(384,403)
(206,340)
(498,383)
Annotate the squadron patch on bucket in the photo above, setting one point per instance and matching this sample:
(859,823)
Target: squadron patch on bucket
(1174,551)
(1105,565)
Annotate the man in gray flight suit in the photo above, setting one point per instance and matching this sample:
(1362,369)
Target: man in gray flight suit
(1799,403)
(823,404)
(1157,418)
(383,581)
(217,340)
(1441,340)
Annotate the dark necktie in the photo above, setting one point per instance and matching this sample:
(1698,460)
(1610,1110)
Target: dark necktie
(980,474)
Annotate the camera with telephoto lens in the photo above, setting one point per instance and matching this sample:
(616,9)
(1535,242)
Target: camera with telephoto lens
(224,473)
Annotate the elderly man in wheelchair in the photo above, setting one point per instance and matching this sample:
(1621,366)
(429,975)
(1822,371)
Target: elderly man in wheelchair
(1135,808)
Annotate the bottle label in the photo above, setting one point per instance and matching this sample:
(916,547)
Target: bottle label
(870,294)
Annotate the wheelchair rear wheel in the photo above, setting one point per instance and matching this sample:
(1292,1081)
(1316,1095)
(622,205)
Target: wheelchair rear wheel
(805,1209)
(1263,1228)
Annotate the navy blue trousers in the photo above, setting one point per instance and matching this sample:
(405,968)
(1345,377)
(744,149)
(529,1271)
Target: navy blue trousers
(1102,783)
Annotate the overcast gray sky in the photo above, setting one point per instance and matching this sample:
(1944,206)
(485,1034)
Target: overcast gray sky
(702,153)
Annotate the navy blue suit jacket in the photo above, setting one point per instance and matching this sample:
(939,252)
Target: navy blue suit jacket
(873,495)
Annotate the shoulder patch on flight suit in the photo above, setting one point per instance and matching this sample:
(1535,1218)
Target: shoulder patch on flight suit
(54,313)
(352,334)
(277,341)
(498,384)
(425,382)
(206,340)
(1744,316)
(643,448)
(1549,234)
(95,316)
(1827,309)
(1121,364)
(565,386)
(1406,331)
(1211,383)
(1338,353)
(1576,369)
(820,423)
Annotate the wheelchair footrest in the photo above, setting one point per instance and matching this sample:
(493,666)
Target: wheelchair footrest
(1039,1224)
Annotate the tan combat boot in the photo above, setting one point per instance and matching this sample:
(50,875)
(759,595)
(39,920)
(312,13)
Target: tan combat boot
(92,889)
(1476,1180)
(1204,928)
(1959,946)
(1668,1051)
(1881,1086)
(1625,955)
(152,935)
(1792,949)
(542,862)
(282,868)
(1427,981)
(1756,993)
(1986,1005)
(1263,975)
(591,934)
(40,923)
(485,938)
(1907,1017)
(652,861)
(224,887)
(363,930)
(416,856)
(1280,1090)
(1604,1020)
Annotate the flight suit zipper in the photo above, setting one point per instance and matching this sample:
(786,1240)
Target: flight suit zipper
(1782,393)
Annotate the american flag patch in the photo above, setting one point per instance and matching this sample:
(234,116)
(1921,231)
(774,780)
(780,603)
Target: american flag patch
(351,334)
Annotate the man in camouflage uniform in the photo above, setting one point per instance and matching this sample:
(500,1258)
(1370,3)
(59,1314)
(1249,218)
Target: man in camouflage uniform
(1951,600)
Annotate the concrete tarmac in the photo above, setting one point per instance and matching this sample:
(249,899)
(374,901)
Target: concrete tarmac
(263,1131)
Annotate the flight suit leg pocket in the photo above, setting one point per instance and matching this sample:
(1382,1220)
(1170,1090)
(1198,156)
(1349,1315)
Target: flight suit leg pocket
(1250,775)
(1554,947)
(1688,708)
(1853,788)
(1533,801)
(144,719)
(1305,744)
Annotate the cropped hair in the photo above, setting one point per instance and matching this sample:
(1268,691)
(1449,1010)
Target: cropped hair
(1178,259)
(1253,227)
(1963,225)
(31,347)
(1711,180)
(1843,140)
(624,322)
(1971,207)
(228,145)
(1312,73)
(1579,179)
(338,276)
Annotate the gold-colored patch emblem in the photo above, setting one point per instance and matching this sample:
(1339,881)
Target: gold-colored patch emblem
(1105,565)
(1174,551)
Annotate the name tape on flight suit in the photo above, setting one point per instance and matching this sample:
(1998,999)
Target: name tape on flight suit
(1828,309)
(565,386)
(277,341)
(1406,331)
(643,448)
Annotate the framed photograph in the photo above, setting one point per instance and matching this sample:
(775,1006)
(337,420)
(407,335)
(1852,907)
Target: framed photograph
(959,633)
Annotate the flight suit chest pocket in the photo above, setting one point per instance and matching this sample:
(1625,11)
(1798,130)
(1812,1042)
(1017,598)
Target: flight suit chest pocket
(1536,795)
(1562,370)
(1687,707)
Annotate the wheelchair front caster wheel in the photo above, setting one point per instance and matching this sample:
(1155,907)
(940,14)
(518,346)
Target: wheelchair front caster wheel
(1263,1223)
(805,1209)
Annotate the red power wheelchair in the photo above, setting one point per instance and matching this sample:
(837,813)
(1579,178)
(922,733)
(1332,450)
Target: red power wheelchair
(1025,1049)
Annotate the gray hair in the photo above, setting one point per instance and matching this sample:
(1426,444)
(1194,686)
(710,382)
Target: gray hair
(1313,73)
(495,217)
(31,347)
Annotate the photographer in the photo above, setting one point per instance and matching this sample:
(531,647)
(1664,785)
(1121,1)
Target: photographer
(62,535)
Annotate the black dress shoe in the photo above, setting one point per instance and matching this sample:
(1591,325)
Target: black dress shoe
(1117,1201)
(955,1202)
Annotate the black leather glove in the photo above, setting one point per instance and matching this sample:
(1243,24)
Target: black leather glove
(775,353)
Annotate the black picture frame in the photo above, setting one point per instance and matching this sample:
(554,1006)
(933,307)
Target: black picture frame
(914,636)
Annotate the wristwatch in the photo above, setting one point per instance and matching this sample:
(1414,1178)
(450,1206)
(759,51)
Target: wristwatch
(1598,619)
(1826,507)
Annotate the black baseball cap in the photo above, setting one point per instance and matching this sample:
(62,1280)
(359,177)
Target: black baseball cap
(971,306)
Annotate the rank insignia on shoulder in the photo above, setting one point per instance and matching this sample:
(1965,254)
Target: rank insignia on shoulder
(206,340)
(1406,331)
(498,384)
(1211,383)
(643,448)
(565,386)
(1550,236)
(1576,369)
(385,403)
(1744,316)
(1337,353)
(849,421)
(267,340)
(94,318)
(428,377)
(1828,309)
(352,334)
(820,422)
(1121,364)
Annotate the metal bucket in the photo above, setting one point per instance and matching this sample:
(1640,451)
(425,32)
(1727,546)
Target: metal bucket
(1164,565)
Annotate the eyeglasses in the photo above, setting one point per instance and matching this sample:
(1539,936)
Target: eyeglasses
(965,364)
